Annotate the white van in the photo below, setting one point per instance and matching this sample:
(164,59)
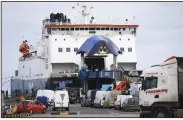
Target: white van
(99,98)
(47,93)
(120,99)
(58,102)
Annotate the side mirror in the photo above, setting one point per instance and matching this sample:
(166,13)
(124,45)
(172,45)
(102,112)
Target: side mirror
(115,99)
(103,98)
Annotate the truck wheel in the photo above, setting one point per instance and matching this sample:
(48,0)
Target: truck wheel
(67,109)
(160,113)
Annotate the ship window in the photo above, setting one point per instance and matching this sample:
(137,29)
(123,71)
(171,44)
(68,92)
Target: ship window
(122,49)
(111,29)
(119,38)
(102,28)
(54,29)
(72,29)
(62,29)
(47,50)
(86,28)
(76,28)
(91,28)
(60,50)
(75,49)
(134,30)
(46,66)
(107,28)
(67,49)
(67,29)
(92,32)
(124,29)
(46,60)
(97,28)
(129,49)
(116,29)
(128,39)
(81,28)
(49,30)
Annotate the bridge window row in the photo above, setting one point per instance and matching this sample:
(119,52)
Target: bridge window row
(122,49)
(94,28)
(67,50)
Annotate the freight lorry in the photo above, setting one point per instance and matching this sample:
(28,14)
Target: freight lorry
(161,94)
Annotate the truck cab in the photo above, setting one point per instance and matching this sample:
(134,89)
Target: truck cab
(161,94)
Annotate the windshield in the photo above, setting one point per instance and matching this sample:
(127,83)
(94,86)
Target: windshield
(149,83)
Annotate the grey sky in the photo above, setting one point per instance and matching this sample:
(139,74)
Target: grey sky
(159,34)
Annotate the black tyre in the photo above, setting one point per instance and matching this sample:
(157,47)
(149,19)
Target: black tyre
(160,113)
(31,111)
(82,104)
(44,111)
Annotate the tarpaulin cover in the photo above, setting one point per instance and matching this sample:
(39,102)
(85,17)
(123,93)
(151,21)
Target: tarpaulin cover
(92,44)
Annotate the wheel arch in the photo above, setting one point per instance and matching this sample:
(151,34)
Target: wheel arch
(166,106)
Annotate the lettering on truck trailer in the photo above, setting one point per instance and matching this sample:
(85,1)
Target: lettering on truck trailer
(157,91)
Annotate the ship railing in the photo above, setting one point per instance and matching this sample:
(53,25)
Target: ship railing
(74,74)
(56,23)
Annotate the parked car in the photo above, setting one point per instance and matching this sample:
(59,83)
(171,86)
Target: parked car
(31,106)
(99,98)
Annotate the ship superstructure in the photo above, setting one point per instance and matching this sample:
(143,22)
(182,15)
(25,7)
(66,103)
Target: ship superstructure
(54,57)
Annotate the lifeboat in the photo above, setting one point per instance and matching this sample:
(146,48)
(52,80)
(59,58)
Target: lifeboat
(24,49)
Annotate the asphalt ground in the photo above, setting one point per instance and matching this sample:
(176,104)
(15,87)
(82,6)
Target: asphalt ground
(77,111)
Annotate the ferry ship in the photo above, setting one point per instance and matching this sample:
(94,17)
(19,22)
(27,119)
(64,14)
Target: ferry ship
(54,58)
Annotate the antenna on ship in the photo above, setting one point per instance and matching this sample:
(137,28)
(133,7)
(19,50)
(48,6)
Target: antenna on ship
(85,11)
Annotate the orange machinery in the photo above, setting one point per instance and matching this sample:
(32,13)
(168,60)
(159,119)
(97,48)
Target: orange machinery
(122,86)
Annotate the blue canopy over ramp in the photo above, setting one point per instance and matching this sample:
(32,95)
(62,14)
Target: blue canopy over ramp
(93,44)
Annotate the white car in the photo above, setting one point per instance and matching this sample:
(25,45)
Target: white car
(99,98)
(120,99)
(58,102)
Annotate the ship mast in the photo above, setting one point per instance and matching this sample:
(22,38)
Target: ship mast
(85,12)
